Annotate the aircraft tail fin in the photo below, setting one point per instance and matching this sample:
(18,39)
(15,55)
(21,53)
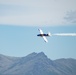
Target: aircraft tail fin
(49,34)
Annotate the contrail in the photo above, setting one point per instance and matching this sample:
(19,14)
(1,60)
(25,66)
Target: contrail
(65,34)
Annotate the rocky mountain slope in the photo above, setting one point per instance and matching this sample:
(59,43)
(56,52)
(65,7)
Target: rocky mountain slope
(36,64)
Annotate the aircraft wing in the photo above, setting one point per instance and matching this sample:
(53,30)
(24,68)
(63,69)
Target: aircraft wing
(40,31)
(45,39)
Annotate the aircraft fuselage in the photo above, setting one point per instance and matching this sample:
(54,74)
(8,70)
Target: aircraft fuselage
(42,35)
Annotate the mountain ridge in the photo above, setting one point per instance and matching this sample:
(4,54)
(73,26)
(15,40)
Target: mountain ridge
(36,64)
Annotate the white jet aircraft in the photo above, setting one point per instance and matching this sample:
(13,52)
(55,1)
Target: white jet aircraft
(43,35)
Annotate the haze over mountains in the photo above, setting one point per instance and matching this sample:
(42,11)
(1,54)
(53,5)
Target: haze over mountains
(36,64)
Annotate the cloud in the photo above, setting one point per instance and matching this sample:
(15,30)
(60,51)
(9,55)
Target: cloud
(36,12)
(71,17)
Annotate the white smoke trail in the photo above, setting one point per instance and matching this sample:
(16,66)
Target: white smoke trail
(65,34)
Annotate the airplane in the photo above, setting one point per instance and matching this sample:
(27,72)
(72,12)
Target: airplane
(43,35)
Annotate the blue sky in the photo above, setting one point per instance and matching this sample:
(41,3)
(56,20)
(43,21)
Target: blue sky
(20,20)
(22,40)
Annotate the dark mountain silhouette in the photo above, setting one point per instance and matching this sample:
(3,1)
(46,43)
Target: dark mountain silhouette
(36,64)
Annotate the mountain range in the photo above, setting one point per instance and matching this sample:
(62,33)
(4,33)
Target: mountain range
(36,64)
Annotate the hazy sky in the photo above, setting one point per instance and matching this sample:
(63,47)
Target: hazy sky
(20,20)
(37,12)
